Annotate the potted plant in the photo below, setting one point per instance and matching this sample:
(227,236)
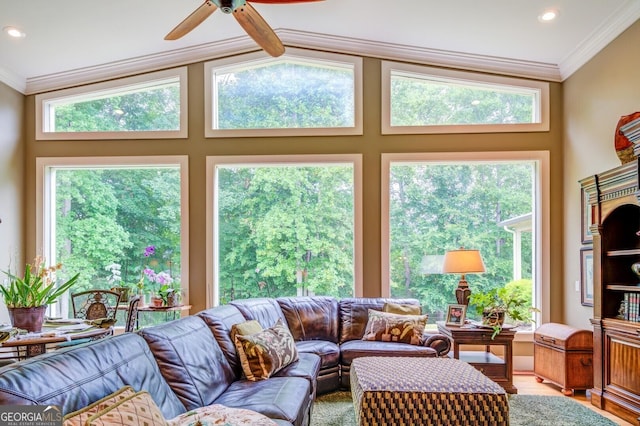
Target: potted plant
(27,297)
(512,301)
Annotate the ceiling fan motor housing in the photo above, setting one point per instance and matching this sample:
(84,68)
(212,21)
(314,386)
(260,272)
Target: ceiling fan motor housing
(228,6)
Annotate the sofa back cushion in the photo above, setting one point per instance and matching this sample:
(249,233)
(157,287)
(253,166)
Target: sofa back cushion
(190,360)
(78,376)
(311,318)
(220,320)
(354,314)
(262,309)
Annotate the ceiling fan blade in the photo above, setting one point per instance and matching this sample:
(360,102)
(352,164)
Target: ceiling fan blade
(258,29)
(192,21)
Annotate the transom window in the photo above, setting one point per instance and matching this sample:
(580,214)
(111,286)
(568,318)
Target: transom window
(299,93)
(148,106)
(418,99)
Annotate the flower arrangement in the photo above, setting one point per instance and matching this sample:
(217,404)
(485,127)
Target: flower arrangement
(162,281)
(37,287)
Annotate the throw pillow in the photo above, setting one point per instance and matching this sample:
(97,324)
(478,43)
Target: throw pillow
(138,409)
(267,352)
(245,328)
(387,327)
(217,414)
(80,417)
(402,309)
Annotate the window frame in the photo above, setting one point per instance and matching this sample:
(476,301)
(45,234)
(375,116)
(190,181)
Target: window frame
(212,249)
(45,199)
(541,218)
(472,79)
(258,58)
(111,87)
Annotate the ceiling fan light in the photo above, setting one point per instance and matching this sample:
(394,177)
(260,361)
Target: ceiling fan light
(14,32)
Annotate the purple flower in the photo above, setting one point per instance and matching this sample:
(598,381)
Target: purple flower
(150,273)
(149,251)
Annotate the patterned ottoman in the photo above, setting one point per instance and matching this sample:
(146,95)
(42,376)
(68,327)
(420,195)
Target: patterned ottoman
(425,391)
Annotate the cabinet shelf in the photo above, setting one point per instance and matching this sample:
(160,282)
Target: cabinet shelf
(623,287)
(629,252)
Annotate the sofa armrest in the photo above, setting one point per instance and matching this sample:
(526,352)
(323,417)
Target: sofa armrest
(439,342)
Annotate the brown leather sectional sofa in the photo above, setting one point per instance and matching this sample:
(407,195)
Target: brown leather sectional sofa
(192,362)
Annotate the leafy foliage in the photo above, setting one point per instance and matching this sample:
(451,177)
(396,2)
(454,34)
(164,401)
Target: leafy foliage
(37,287)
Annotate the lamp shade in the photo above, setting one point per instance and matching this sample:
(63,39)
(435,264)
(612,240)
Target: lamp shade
(463,261)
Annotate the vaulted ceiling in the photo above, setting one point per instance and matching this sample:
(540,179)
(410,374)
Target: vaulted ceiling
(77,41)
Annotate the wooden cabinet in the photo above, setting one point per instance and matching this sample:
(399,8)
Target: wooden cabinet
(563,355)
(614,200)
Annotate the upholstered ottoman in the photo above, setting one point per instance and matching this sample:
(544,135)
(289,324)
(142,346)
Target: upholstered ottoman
(425,391)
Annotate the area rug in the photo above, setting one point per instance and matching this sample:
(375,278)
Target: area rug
(336,409)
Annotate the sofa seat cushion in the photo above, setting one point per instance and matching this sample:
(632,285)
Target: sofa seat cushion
(307,366)
(282,398)
(358,348)
(328,352)
(190,360)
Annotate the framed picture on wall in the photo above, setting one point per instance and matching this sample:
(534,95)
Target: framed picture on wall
(586,276)
(587,218)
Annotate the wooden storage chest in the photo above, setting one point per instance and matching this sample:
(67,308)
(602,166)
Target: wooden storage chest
(563,355)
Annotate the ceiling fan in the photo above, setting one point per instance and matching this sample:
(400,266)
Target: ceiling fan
(255,26)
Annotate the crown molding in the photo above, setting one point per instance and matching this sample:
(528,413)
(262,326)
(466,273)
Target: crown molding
(291,38)
(600,37)
(12,80)
(419,55)
(138,65)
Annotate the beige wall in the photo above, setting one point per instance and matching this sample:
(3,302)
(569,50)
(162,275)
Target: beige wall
(371,144)
(595,98)
(11,182)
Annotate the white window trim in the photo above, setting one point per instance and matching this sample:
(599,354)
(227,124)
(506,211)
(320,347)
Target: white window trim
(212,249)
(252,59)
(541,225)
(470,78)
(110,86)
(44,242)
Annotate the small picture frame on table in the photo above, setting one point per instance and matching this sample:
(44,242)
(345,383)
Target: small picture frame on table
(456,314)
(586,276)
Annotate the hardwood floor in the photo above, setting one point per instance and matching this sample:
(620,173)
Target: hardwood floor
(527,385)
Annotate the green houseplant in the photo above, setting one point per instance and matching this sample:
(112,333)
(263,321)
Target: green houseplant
(27,297)
(512,302)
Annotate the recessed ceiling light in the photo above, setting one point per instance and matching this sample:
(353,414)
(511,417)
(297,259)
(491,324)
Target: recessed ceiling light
(14,32)
(548,15)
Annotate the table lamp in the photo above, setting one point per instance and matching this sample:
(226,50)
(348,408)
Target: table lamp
(462,261)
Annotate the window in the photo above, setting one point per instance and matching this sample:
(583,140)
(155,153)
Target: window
(493,202)
(147,106)
(419,99)
(111,219)
(285,226)
(299,93)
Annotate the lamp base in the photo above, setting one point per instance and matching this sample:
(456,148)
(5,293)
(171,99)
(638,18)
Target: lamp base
(463,292)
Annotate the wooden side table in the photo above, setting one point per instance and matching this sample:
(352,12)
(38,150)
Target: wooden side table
(28,346)
(498,369)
